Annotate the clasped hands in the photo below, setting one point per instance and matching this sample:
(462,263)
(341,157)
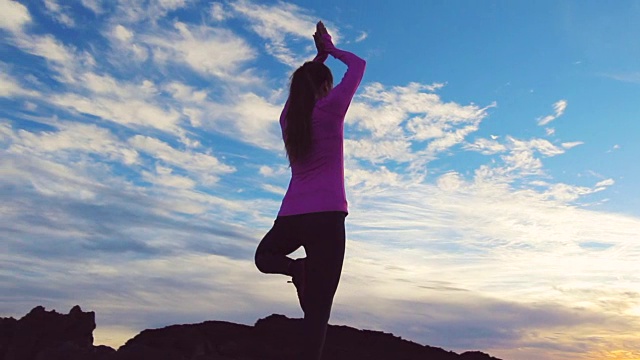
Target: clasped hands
(323,41)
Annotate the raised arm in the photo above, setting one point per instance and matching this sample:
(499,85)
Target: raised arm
(343,93)
(321,57)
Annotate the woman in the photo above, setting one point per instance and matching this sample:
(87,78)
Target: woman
(314,208)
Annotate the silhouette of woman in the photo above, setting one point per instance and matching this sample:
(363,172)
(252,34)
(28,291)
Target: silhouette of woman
(314,208)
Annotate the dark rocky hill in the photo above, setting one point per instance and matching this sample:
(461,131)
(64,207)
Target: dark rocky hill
(48,335)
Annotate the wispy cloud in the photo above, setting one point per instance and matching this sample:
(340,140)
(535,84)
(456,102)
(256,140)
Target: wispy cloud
(209,51)
(124,38)
(10,87)
(280,24)
(71,137)
(572,144)
(559,108)
(632,77)
(128,112)
(486,146)
(408,123)
(59,13)
(205,166)
(363,35)
(607,182)
(133,11)
(93,5)
(218,12)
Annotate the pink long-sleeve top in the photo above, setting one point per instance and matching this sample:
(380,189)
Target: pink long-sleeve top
(317,181)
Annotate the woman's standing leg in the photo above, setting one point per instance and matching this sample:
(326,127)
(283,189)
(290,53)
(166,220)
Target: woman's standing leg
(324,243)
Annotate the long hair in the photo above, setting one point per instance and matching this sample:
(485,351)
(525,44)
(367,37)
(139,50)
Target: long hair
(307,84)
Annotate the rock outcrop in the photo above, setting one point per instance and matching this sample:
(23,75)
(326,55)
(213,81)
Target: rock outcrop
(47,335)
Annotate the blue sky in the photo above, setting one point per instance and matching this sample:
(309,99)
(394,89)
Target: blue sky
(490,172)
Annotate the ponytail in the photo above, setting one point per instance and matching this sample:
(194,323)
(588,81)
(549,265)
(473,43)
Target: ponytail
(306,83)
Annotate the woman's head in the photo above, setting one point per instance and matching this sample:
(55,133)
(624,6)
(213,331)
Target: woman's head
(309,83)
(313,77)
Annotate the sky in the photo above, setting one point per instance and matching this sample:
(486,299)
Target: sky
(489,152)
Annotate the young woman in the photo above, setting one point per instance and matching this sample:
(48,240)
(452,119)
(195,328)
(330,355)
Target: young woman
(314,208)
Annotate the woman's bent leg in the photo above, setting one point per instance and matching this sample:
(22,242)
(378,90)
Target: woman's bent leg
(271,254)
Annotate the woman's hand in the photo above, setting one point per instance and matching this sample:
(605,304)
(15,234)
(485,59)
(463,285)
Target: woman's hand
(323,42)
(317,37)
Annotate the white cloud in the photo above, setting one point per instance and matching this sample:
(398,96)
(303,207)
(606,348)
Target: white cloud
(396,104)
(450,138)
(6,132)
(632,77)
(379,120)
(129,112)
(64,61)
(607,182)
(172,4)
(268,171)
(249,118)
(93,5)
(541,145)
(164,177)
(48,47)
(109,86)
(559,108)
(58,13)
(133,11)
(124,39)
(208,51)
(283,17)
(70,137)
(370,180)
(277,190)
(257,121)
(218,12)
(122,33)
(186,93)
(278,24)
(489,226)
(567,193)
(363,35)
(378,150)
(125,103)
(409,119)
(569,145)
(10,87)
(47,177)
(486,146)
(30,106)
(450,181)
(206,167)
(520,160)
(14,16)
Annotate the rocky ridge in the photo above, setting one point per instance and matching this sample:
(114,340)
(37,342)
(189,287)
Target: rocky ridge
(48,335)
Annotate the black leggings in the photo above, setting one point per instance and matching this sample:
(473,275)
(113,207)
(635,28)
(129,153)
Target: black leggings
(322,235)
